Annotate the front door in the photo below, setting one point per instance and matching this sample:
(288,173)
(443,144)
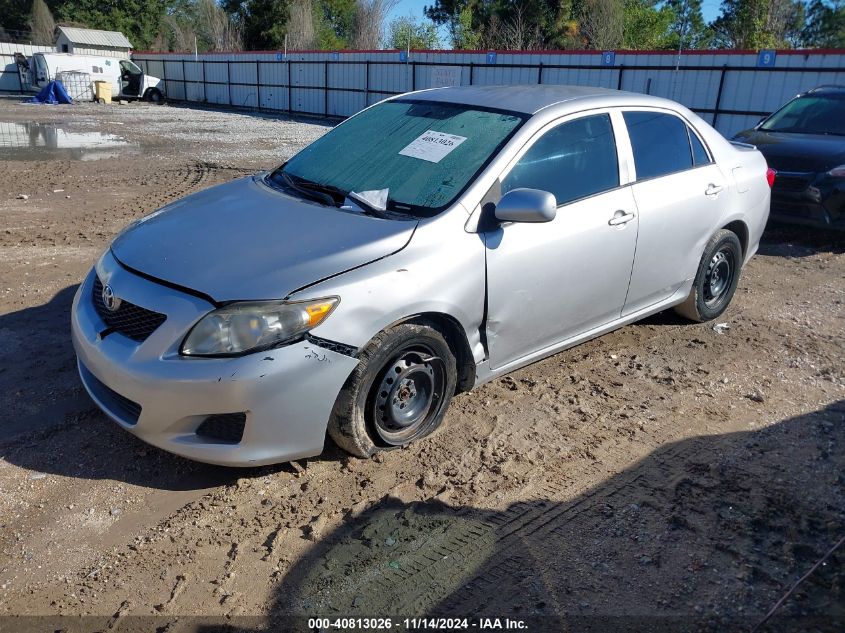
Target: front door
(130,79)
(550,282)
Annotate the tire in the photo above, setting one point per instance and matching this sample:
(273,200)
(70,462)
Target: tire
(374,412)
(716,279)
(154,96)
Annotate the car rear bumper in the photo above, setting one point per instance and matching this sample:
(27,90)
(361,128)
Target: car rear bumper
(282,398)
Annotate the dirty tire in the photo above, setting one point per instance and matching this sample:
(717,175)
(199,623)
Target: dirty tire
(723,252)
(154,96)
(352,425)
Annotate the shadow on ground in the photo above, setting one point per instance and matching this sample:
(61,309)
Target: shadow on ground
(705,534)
(786,240)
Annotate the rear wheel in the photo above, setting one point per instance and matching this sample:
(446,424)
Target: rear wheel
(154,96)
(716,279)
(398,393)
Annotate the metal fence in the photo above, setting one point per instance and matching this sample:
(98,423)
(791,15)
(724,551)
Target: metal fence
(730,89)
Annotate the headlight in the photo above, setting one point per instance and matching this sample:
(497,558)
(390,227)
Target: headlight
(837,172)
(250,326)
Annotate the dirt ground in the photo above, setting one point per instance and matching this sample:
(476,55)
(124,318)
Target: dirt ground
(667,476)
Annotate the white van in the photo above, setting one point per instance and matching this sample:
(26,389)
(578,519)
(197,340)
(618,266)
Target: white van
(127,80)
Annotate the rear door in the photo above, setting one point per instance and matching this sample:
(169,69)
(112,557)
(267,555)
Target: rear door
(549,282)
(679,193)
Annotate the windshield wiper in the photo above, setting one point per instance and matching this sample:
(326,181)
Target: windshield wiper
(308,192)
(333,196)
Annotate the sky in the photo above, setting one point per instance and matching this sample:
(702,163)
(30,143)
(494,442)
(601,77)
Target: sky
(414,8)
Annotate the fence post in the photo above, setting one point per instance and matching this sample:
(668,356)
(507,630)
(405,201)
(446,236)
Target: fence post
(471,69)
(204,95)
(184,81)
(540,74)
(290,92)
(719,94)
(367,85)
(326,88)
(413,76)
(164,75)
(258,83)
(619,80)
(229,79)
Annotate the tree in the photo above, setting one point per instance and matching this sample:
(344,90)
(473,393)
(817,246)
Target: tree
(42,24)
(369,23)
(755,24)
(263,23)
(825,26)
(14,16)
(334,22)
(421,35)
(464,36)
(507,23)
(601,23)
(300,26)
(648,25)
(215,28)
(688,29)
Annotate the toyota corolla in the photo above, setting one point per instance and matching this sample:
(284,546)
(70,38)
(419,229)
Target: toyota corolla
(423,247)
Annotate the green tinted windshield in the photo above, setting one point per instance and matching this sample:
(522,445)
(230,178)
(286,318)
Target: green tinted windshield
(424,153)
(811,114)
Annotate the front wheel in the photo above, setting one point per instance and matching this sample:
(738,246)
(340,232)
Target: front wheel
(154,96)
(716,279)
(399,392)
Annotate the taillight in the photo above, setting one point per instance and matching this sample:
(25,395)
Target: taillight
(770,177)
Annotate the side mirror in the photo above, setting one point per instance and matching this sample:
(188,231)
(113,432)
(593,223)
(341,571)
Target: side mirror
(526,205)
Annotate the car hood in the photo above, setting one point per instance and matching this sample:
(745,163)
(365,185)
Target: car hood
(797,152)
(244,240)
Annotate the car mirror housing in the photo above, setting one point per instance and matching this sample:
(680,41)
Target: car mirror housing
(526,205)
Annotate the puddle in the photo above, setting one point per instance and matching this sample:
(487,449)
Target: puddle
(47,141)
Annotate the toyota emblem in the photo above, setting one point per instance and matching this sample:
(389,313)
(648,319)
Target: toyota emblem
(111,302)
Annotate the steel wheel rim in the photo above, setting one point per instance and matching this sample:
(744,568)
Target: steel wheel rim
(719,277)
(407,395)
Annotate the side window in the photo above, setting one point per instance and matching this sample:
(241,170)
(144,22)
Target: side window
(660,142)
(699,154)
(571,161)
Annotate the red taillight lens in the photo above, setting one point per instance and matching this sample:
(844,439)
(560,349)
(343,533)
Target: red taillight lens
(770,177)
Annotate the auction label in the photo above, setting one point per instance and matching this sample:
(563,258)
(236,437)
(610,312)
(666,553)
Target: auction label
(432,146)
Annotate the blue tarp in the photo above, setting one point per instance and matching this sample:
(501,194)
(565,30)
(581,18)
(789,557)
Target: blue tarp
(53,92)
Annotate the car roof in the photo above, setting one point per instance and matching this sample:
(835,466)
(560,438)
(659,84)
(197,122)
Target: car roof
(828,89)
(531,98)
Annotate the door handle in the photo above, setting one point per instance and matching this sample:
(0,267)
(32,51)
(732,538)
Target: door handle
(621,217)
(712,189)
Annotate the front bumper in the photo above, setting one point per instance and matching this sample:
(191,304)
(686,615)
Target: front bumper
(799,198)
(286,393)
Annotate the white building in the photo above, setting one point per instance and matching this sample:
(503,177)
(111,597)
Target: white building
(92,42)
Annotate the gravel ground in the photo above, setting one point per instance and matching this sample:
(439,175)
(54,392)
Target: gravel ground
(666,475)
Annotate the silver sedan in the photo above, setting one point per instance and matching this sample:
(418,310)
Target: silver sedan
(423,247)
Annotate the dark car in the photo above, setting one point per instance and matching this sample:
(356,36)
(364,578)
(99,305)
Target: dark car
(804,142)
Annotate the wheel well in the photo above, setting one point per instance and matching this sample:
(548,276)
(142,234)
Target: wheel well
(741,231)
(453,332)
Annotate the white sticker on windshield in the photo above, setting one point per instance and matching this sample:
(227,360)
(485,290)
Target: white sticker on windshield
(432,146)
